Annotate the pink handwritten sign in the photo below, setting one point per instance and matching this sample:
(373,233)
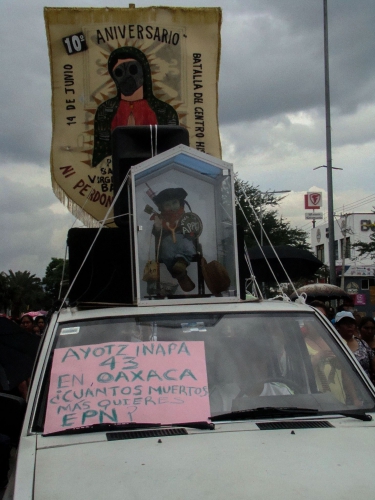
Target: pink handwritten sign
(117,382)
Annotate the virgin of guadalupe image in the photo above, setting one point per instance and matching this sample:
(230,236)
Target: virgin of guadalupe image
(134,104)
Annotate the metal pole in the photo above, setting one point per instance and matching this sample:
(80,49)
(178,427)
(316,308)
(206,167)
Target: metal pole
(263,285)
(343,250)
(331,227)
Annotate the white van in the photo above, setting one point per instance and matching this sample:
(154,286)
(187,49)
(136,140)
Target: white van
(242,400)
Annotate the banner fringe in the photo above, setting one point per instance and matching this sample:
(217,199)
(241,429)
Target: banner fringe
(78,212)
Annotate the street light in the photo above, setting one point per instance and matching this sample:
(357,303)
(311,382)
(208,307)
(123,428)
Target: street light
(325,166)
(331,223)
(331,227)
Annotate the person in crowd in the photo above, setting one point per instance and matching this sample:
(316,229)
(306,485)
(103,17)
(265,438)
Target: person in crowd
(347,305)
(27,323)
(367,331)
(322,358)
(357,318)
(318,304)
(346,326)
(40,322)
(36,330)
(331,314)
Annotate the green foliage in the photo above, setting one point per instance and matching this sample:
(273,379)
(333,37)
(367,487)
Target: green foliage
(278,229)
(22,291)
(52,280)
(4,297)
(366,249)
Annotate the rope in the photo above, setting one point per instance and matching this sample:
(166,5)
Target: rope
(66,244)
(256,239)
(83,206)
(93,243)
(269,241)
(103,222)
(63,271)
(255,287)
(113,218)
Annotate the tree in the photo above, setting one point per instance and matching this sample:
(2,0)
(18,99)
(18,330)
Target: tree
(53,278)
(24,292)
(366,249)
(4,295)
(278,229)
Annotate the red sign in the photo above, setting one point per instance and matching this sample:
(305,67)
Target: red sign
(313,200)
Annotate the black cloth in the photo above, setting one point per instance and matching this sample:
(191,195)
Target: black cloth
(18,350)
(5,447)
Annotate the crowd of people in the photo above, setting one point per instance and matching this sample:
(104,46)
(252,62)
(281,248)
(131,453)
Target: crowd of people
(17,354)
(32,323)
(35,325)
(357,331)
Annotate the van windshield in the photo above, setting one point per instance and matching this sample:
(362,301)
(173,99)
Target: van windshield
(173,368)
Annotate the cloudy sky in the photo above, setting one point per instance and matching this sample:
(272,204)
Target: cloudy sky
(271,108)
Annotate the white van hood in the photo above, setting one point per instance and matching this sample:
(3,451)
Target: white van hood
(236,461)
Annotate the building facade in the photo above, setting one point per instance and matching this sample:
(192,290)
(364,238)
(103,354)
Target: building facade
(359,272)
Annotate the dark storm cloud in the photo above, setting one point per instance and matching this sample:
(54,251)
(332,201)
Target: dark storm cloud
(272,63)
(29,227)
(278,62)
(25,84)
(272,67)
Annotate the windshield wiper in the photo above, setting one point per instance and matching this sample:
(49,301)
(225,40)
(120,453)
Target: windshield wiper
(129,427)
(288,411)
(196,425)
(265,412)
(359,415)
(103,427)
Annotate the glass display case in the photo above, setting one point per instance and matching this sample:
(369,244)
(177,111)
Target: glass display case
(184,228)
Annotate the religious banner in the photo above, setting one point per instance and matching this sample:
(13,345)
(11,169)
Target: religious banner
(126,67)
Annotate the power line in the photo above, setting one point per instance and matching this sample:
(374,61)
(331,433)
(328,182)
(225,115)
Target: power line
(348,207)
(361,201)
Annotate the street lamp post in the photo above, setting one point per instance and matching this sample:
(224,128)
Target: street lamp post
(331,228)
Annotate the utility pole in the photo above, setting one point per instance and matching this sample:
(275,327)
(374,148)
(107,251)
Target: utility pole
(331,227)
(344,230)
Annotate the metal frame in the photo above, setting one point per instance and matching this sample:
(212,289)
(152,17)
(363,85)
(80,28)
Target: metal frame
(166,160)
